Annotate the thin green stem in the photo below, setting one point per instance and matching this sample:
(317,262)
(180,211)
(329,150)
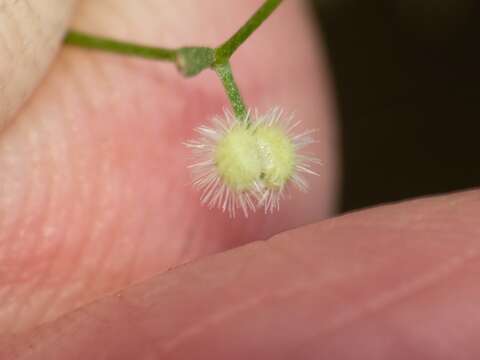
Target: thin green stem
(224,72)
(119,47)
(226,50)
(189,60)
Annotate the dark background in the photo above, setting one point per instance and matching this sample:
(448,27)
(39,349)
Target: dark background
(407,83)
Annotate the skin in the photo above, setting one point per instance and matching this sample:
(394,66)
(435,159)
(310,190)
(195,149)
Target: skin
(95,191)
(95,207)
(30,33)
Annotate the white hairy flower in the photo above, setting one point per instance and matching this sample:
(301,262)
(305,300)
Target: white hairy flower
(248,164)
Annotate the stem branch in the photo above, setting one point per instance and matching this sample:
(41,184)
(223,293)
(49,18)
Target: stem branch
(189,60)
(226,50)
(119,47)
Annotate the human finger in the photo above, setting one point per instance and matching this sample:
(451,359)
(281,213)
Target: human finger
(95,193)
(394,282)
(30,35)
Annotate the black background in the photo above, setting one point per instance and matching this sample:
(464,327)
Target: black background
(407,85)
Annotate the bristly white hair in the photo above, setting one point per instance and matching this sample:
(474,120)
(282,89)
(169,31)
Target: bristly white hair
(304,162)
(217,194)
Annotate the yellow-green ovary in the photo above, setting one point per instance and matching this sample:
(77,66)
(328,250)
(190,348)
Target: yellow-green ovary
(278,156)
(237,159)
(249,154)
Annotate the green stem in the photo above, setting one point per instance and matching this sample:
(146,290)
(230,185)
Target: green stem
(226,50)
(119,47)
(224,72)
(189,60)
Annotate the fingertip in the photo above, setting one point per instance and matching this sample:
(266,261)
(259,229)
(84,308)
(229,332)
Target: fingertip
(30,34)
(392,282)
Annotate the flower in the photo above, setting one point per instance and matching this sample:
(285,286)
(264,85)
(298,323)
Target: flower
(250,163)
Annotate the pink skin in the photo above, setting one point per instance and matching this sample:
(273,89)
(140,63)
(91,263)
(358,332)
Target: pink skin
(394,282)
(94,197)
(96,194)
